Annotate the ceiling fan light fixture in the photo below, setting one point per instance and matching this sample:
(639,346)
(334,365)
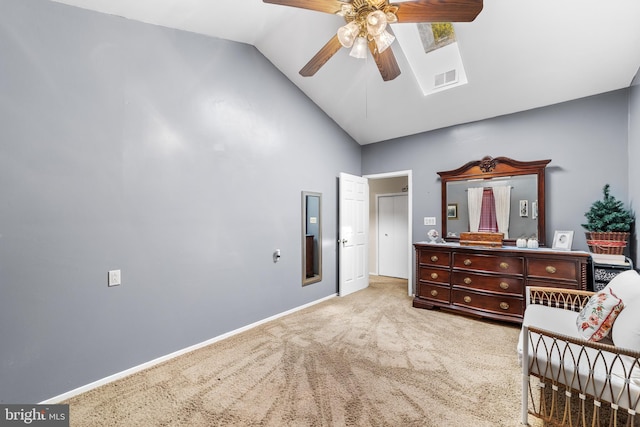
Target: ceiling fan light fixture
(376,23)
(345,10)
(359,49)
(383,41)
(391,17)
(347,34)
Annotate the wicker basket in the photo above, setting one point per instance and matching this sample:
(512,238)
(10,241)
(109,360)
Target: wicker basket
(611,242)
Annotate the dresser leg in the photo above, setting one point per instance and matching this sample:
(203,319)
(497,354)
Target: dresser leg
(420,303)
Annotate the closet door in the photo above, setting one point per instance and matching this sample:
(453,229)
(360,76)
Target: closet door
(393,229)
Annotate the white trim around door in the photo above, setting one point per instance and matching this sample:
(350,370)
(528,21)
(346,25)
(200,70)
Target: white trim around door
(409,175)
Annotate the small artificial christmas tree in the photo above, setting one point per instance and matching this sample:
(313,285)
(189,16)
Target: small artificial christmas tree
(608,214)
(608,224)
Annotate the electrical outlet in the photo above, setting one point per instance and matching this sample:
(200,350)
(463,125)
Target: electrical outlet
(429,220)
(114,278)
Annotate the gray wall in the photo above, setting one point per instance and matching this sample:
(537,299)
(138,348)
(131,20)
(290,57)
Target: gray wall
(177,158)
(586,140)
(634,157)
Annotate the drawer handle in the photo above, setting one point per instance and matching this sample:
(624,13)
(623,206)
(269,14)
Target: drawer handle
(550,269)
(467,281)
(434,275)
(467,299)
(504,306)
(504,265)
(504,285)
(467,262)
(434,259)
(434,293)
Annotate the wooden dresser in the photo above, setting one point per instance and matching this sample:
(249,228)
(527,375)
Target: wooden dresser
(490,282)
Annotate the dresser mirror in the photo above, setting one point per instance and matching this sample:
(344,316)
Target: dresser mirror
(311,237)
(515,189)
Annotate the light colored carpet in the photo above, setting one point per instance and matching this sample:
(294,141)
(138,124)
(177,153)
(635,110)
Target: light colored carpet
(368,359)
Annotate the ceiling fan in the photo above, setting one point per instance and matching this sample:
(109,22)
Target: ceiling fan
(367,26)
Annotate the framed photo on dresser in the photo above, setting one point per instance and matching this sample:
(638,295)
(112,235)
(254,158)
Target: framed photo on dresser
(562,240)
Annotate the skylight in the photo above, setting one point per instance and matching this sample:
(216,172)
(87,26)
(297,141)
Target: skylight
(432,52)
(436,35)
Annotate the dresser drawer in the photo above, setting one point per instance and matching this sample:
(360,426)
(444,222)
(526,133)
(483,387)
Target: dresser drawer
(492,263)
(433,292)
(555,269)
(434,257)
(431,274)
(502,304)
(487,282)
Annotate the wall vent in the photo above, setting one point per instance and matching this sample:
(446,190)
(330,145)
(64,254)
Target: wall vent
(446,78)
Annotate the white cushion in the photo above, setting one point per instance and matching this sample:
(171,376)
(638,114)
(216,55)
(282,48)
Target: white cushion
(625,285)
(626,334)
(551,319)
(592,371)
(626,329)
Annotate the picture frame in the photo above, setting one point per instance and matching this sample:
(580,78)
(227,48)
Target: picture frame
(562,240)
(524,208)
(534,209)
(452,211)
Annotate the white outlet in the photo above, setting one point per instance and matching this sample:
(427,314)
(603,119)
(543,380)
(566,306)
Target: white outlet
(429,220)
(114,278)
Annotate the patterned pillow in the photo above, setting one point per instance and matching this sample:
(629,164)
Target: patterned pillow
(596,318)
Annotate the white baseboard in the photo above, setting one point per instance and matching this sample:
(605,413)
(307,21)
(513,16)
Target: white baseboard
(131,371)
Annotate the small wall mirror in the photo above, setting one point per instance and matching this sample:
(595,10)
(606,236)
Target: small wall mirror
(311,237)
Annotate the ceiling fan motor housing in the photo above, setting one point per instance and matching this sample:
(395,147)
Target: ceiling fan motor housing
(359,10)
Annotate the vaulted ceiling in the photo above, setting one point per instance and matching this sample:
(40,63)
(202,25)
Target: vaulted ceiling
(517,55)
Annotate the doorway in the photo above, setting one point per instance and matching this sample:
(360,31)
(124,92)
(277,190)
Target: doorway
(392,183)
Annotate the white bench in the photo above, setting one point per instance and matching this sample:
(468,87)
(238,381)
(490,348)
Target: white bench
(554,351)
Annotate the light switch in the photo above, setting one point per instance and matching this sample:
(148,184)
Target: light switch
(429,220)
(114,278)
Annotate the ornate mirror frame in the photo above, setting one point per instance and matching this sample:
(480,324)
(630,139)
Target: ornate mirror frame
(489,168)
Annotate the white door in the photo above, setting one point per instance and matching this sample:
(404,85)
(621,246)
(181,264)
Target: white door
(393,256)
(353,240)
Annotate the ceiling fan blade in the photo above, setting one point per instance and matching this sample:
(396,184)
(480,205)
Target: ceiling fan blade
(386,62)
(438,10)
(321,58)
(327,6)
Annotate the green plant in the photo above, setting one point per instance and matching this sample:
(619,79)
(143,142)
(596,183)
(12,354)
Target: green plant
(608,214)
